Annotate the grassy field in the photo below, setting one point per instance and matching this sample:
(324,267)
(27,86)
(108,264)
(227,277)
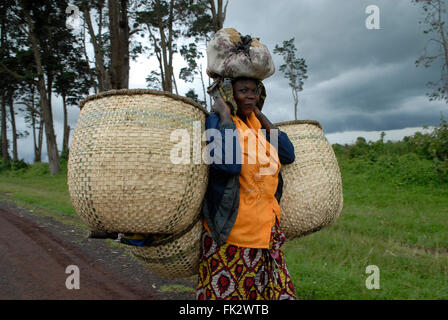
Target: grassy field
(402,228)
(394,217)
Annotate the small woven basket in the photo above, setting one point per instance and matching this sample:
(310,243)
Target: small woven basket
(175,257)
(312,191)
(121,176)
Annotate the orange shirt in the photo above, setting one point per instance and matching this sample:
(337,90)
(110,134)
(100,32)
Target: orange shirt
(258,206)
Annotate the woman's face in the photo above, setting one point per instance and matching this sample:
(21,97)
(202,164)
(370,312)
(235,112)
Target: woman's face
(246,96)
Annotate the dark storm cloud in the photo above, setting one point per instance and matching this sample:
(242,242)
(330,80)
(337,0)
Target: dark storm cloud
(359,79)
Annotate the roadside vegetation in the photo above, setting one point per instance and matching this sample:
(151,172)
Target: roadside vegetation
(395,217)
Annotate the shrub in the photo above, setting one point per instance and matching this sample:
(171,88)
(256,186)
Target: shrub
(4,165)
(421,159)
(18,165)
(433,146)
(39,169)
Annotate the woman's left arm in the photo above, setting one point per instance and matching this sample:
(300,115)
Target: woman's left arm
(265,123)
(285,148)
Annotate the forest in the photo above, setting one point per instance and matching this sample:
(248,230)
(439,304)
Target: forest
(45,51)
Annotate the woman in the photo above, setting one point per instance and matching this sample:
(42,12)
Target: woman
(241,256)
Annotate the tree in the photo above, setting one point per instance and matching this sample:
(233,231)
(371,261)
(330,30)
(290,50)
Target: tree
(72,84)
(34,27)
(191,54)
(5,45)
(435,18)
(294,69)
(98,42)
(112,44)
(33,116)
(161,18)
(208,16)
(42,24)
(219,11)
(193,96)
(119,43)
(167,21)
(153,80)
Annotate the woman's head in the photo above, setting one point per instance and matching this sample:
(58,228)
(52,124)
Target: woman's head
(246,92)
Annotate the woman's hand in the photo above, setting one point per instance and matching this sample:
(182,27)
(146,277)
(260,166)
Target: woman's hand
(222,109)
(264,121)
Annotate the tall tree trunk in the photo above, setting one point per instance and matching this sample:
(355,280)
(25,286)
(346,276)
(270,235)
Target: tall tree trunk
(218,13)
(86,56)
(49,92)
(158,55)
(66,128)
(15,155)
(33,127)
(3,42)
(444,44)
(38,150)
(101,72)
(37,139)
(5,154)
(170,44)
(119,43)
(175,84)
(166,46)
(203,85)
(52,149)
(295,95)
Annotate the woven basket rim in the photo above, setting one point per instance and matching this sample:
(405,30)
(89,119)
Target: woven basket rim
(293,122)
(142,91)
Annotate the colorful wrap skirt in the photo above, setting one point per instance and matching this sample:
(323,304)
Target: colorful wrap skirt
(229,272)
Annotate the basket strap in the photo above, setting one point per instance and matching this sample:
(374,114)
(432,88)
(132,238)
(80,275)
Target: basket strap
(160,240)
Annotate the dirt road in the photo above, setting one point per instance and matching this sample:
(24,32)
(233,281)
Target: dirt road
(35,252)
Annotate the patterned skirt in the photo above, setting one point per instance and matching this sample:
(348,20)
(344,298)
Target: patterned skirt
(230,272)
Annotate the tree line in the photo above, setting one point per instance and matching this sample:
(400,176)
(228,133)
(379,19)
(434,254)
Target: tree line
(40,54)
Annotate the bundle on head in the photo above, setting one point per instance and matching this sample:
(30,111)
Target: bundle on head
(231,55)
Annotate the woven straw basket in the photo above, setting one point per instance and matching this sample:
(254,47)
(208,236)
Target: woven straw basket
(312,191)
(120,174)
(174,257)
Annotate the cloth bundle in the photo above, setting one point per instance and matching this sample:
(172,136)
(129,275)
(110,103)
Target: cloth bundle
(231,55)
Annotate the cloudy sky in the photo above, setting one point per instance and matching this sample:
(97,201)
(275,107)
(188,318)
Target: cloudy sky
(360,81)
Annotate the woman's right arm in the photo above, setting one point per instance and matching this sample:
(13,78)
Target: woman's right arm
(222,140)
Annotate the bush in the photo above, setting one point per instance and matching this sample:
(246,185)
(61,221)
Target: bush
(39,169)
(4,165)
(433,146)
(18,165)
(64,155)
(420,159)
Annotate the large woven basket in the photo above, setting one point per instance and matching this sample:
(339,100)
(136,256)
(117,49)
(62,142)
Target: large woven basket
(175,257)
(121,177)
(312,192)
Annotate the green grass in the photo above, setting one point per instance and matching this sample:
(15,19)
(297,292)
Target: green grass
(401,228)
(177,288)
(36,187)
(393,217)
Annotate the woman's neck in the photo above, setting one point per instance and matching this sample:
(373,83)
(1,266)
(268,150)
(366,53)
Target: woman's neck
(243,118)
